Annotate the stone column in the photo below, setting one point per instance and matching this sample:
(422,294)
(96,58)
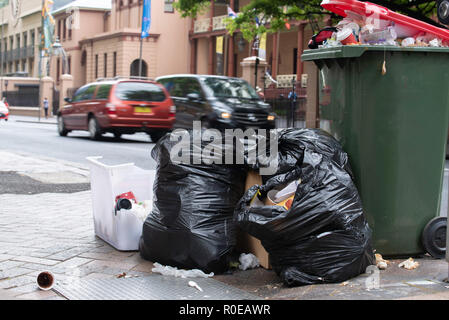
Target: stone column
(249,68)
(46,92)
(65,83)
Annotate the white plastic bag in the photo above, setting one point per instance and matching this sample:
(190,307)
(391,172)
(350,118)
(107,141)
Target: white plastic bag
(180,273)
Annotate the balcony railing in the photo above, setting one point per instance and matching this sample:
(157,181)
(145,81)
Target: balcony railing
(30,52)
(285,80)
(23,53)
(201,25)
(16,54)
(219,23)
(8,56)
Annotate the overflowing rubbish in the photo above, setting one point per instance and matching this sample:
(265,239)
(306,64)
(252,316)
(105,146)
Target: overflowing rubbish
(381,263)
(129,203)
(324,237)
(45,280)
(370,24)
(248,261)
(409,264)
(179,273)
(191,225)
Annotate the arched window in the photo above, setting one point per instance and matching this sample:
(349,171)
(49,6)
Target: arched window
(134,72)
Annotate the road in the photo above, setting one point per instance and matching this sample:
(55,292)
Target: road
(43,139)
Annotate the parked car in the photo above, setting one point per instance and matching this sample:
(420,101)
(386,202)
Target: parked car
(4,110)
(119,106)
(219,102)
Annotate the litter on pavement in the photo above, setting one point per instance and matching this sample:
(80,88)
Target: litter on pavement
(248,261)
(381,263)
(409,264)
(370,24)
(179,273)
(45,280)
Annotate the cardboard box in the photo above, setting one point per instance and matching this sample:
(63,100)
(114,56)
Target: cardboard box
(247,243)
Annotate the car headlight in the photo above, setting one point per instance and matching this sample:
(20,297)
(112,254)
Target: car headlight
(226,115)
(271,118)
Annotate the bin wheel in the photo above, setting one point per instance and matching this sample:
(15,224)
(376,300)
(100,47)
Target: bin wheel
(434,237)
(443,11)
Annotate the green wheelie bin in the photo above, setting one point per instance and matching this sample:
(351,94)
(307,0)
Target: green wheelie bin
(394,127)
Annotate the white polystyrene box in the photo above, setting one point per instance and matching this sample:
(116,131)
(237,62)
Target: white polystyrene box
(122,230)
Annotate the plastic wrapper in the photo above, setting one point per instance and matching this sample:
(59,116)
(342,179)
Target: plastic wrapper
(179,273)
(191,224)
(324,237)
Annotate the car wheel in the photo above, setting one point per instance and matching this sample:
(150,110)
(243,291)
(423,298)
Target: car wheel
(443,11)
(94,129)
(61,127)
(157,135)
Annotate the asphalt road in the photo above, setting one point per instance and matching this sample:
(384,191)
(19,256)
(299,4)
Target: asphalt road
(43,139)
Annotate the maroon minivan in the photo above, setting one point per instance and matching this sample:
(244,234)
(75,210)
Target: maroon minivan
(120,106)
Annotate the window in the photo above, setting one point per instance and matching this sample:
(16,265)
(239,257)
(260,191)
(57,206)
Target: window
(228,88)
(58,69)
(103,92)
(70,32)
(105,67)
(139,91)
(64,28)
(168,6)
(69,65)
(115,65)
(96,66)
(89,93)
(79,94)
(59,29)
(181,87)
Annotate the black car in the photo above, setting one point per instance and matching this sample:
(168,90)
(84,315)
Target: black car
(218,102)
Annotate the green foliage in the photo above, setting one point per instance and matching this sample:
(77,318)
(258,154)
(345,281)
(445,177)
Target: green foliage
(279,11)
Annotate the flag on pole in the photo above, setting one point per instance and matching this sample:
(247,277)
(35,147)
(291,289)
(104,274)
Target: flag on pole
(146,18)
(231,13)
(48,26)
(263,46)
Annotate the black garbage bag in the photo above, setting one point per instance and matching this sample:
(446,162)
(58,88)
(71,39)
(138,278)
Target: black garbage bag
(324,237)
(191,225)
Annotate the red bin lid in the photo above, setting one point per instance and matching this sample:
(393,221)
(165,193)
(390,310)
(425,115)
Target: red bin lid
(368,9)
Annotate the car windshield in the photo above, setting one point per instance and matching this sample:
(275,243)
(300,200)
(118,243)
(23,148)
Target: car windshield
(139,91)
(229,88)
